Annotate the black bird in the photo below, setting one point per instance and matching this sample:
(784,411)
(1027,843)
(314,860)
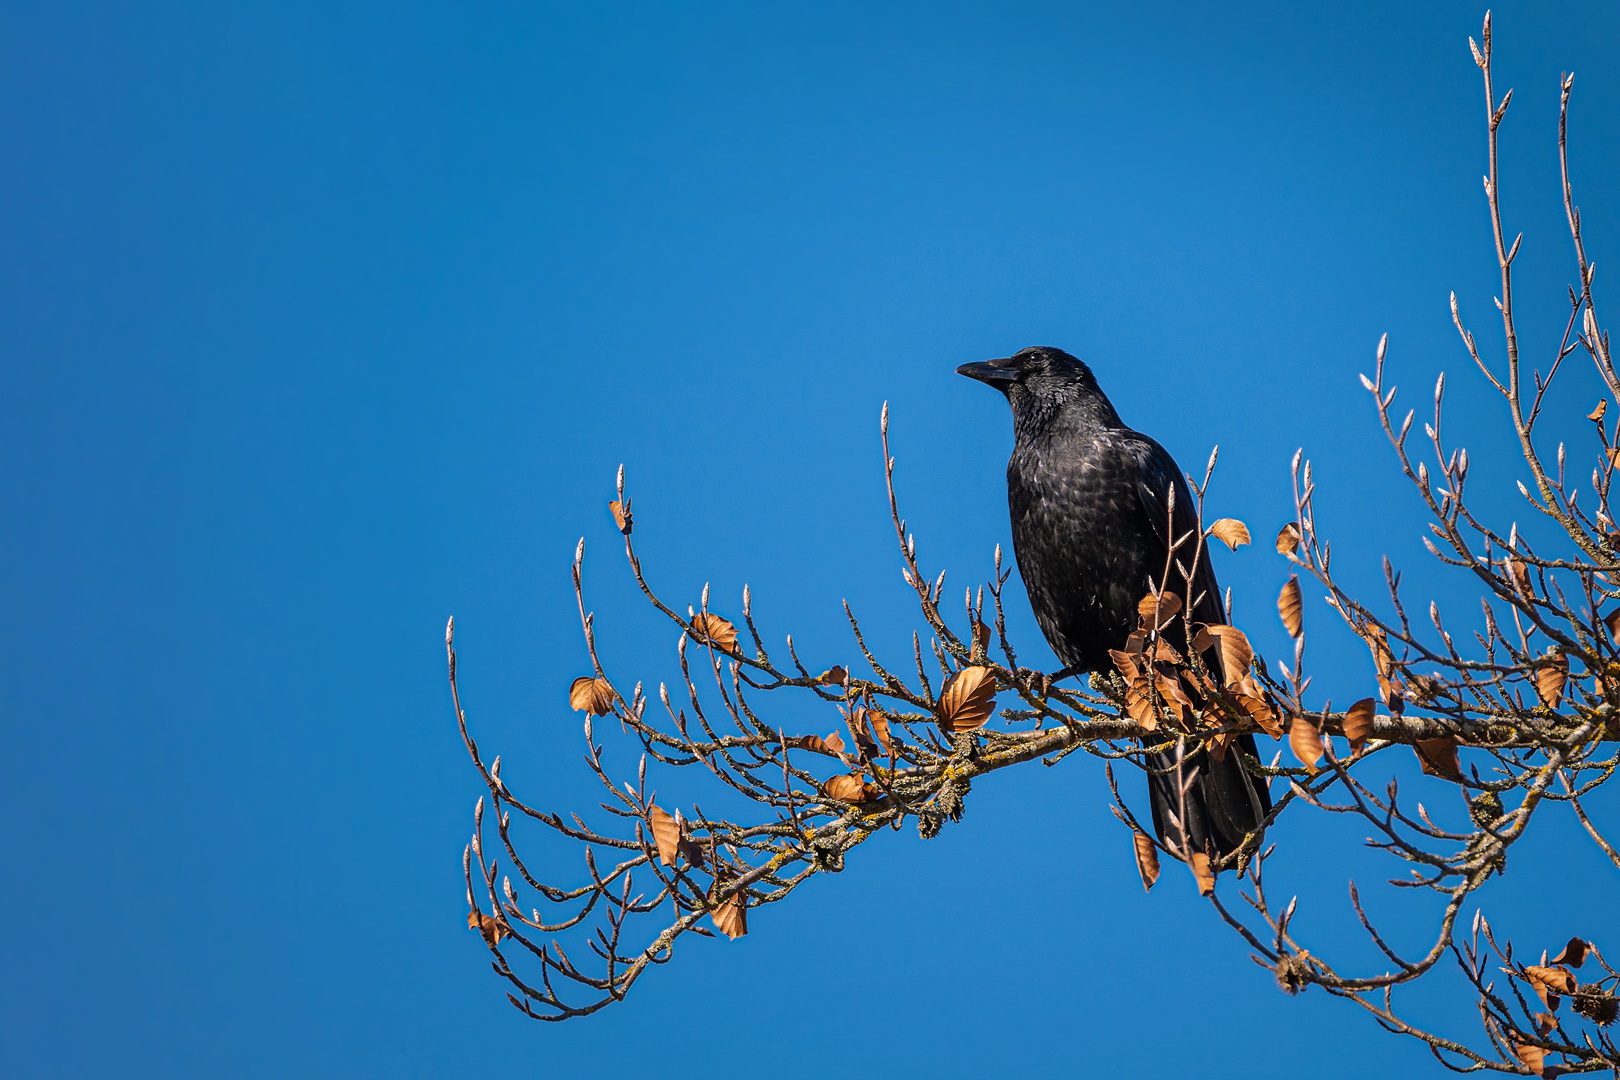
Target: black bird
(1092,524)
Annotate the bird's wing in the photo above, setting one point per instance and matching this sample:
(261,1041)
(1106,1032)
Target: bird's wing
(1174,518)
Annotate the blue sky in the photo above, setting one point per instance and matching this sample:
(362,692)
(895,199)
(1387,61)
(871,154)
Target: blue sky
(325,322)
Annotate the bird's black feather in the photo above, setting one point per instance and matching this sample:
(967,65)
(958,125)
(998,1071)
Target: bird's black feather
(1101,515)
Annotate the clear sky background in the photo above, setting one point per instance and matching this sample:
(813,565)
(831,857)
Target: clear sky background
(324,322)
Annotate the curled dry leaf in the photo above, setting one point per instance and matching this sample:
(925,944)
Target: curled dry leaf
(870,729)
(1521,576)
(850,787)
(1289,607)
(1157,611)
(981,638)
(1306,741)
(1612,622)
(1549,981)
(730,916)
(1551,677)
(967,700)
(1438,757)
(621,515)
(1531,1057)
(1574,953)
(489,926)
(1259,708)
(1358,723)
(1232,648)
(591,695)
(713,630)
(1288,539)
(1202,873)
(1147,859)
(832,745)
(1229,531)
(1389,683)
(837,675)
(1597,413)
(1138,689)
(666,834)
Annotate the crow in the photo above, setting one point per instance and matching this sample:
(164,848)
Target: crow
(1095,508)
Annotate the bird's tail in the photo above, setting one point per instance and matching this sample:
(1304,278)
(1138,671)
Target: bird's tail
(1204,803)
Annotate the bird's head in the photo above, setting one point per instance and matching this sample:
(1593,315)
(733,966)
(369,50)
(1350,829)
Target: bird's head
(1039,373)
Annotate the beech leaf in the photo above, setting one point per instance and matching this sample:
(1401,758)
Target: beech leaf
(621,515)
(591,695)
(666,834)
(489,926)
(1306,741)
(850,787)
(1531,1057)
(713,630)
(1289,607)
(1202,873)
(832,745)
(1288,539)
(1157,611)
(1235,652)
(1358,723)
(1438,757)
(981,638)
(967,700)
(730,916)
(1147,859)
(1574,953)
(1551,677)
(1229,531)
(1597,413)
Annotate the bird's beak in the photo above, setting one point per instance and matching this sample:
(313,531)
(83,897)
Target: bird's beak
(991,373)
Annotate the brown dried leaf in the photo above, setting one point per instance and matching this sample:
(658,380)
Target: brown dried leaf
(1612,621)
(713,630)
(666,834)
(871,731)
(730,916)
(1531,1057)
(850,787)
(1574,953)
(1597,413)
(591,695)
(967,700)
(1229,531)
(1235,652)
(621,516)
(1288,539)
(1551,677)
(1259,708)
(1157,611)
(1549,981)
(1147,859)
(492,928)
(1438,757)
(1306,741)
(832,745)
(1289,606)
(981,638)
(1521,576)
(1358,723)
(1202,873)
(837,675)
(1389,684)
